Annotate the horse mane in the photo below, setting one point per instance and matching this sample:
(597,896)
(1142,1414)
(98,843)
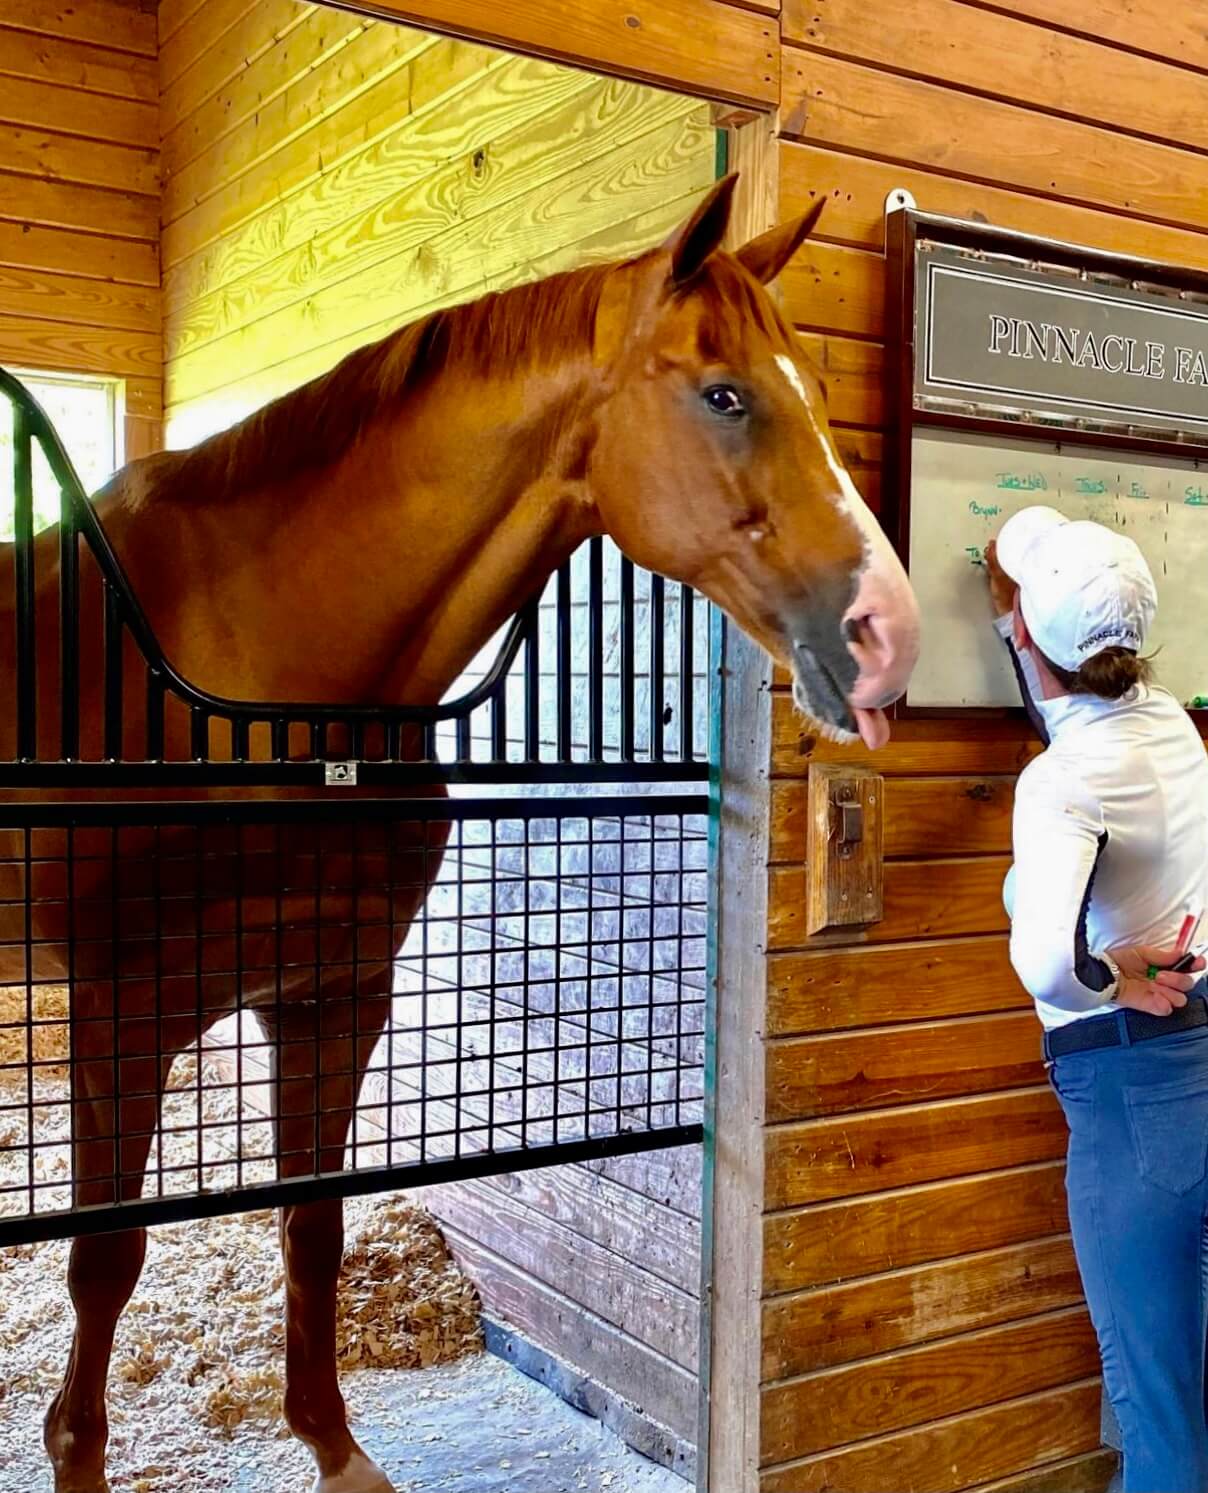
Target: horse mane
(526,326)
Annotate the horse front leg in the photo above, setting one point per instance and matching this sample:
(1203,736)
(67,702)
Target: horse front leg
(319,1063)
(116,1094)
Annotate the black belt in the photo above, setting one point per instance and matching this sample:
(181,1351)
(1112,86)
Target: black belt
(1124,1027)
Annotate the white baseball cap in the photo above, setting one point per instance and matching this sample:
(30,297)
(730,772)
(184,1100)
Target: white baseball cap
(1082,586)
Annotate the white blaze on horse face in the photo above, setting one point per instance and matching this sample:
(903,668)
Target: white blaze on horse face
(883,596)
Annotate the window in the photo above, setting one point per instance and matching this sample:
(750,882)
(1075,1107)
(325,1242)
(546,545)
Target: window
(86,414)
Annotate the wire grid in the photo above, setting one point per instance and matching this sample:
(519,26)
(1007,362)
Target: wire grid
(526,977)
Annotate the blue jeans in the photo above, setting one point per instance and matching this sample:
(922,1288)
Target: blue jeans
(1137,1182)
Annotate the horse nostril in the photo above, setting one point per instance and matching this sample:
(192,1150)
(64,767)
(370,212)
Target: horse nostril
(853,629)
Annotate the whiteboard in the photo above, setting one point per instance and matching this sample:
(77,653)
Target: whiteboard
(964,487)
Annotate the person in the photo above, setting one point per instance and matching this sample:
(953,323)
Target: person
(1110,840)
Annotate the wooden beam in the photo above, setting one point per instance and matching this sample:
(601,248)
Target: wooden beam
(705,47)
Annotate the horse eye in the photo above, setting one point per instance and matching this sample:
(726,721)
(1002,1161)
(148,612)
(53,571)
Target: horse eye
(725,400)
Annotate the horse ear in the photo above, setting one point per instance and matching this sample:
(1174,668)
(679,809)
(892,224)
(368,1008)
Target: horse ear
(701,235)
(768,254)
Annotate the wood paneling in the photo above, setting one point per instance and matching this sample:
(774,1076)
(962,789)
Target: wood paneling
(705,46)
(832,1242)
(983,1368)
(833,988)
(846,1156)
(844,1072)
(953,1453)
(79,197)
(842,1324)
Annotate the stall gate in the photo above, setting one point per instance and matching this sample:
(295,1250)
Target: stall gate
(496,908)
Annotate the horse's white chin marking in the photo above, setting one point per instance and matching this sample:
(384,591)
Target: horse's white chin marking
(360,1476)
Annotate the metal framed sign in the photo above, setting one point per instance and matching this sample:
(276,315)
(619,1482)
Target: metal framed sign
(1023,370)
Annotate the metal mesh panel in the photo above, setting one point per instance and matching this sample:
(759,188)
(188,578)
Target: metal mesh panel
(514,982)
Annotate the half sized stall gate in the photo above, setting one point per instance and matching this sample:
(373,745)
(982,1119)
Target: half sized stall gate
(216,915)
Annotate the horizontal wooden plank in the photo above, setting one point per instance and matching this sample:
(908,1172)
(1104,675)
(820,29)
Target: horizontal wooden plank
(70,111)
(655,1238)
(659,166)
(1006,57)
(702,47)
(832,1242)
(300,59)
(200,206)
(925,1384)
(941,816)
(815,1160)
(923,899)
(605,240)
(1141,25)
(217,41)
(1090,1473)
(60,160)
(849,106)
(76,65)
(671,1177)
(856,187)
(840,1324)
(663,1390)
(611,1284)
(852,373)
(113,24)
(360,187)
(955,1452)
(916,746)
(76,300)
(844,1072)
(57,250)
(831,288)
(565,123)
(838,989)
(54,345)
(65,205)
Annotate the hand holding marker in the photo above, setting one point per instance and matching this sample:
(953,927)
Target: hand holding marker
(1184,958)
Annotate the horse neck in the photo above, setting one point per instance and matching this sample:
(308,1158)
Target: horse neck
(441,522)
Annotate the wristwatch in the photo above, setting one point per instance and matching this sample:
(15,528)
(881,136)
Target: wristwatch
(1113,990)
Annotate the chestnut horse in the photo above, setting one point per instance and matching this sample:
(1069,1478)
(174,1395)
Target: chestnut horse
(360,540)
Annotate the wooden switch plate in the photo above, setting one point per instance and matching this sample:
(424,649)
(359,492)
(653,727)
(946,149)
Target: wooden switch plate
(844,847)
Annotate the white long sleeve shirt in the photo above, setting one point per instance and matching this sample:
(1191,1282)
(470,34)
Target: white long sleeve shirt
(1110,839)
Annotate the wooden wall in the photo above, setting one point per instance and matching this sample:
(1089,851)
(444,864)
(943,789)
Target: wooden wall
(328,177)
(923,1326)
(79,197)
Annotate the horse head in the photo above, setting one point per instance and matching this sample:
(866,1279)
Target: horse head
(714,463)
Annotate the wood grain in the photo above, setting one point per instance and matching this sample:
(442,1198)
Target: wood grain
(929,747)
(846,105)
(50,156)
(840,1324)
(843,1073)
(841,989)
(1002,56)
(1140,25)
(843,879)
(832,1242)
(847,1156)
(111,24)
(48,203)
(704,47)
(610,1282)
(35,294)
(938,816)
(1090,1473)
(855,189)
(29,246)
(923,899)
(32,343)
(36,104)
(664,1390)
(68,64)
(866,1399)
(955,1452)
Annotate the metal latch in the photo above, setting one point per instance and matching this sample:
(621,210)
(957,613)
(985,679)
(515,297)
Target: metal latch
(340,774)
(849,822)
